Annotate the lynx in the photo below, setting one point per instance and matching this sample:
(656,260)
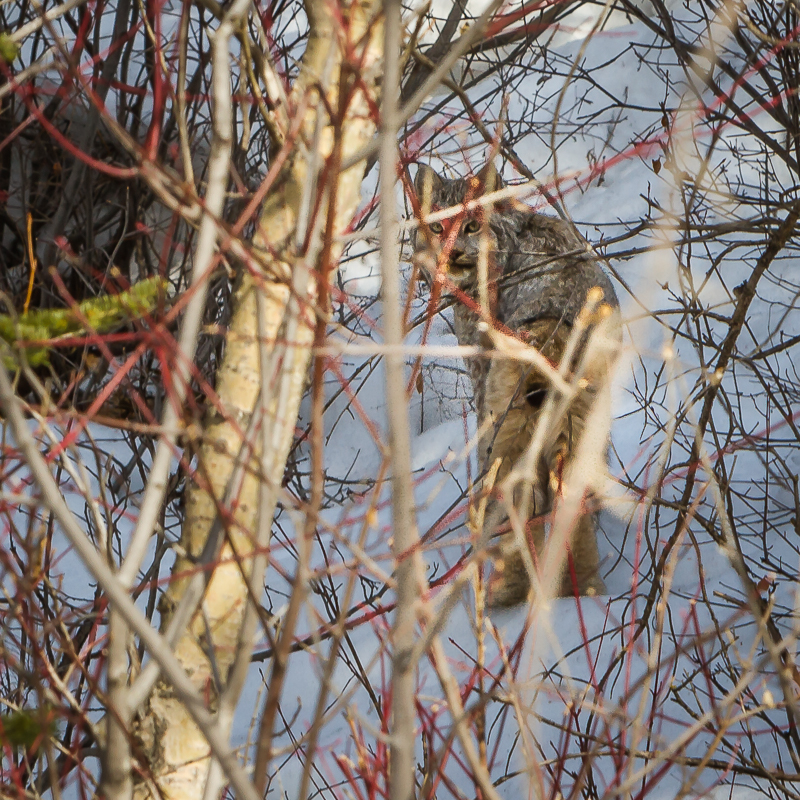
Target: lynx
(539,276)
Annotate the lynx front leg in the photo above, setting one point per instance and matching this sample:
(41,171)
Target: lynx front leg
(583,559)
(578,566)
(580,570)
(510,584)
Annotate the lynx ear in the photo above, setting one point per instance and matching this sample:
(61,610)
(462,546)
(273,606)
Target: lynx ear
(426,182)
(490,178)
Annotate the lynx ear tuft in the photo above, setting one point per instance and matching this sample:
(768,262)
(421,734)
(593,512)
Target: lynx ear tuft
(426,182)
(490,178)
(484,338)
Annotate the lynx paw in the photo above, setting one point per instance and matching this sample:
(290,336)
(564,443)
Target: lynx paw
(508,584)
(591,586)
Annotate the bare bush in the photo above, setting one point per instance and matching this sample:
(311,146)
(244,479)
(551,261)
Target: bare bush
(250,517)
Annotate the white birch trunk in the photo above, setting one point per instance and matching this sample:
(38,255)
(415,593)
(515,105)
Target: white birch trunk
(273,323)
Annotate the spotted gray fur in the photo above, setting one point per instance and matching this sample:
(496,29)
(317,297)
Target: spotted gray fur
(544,272)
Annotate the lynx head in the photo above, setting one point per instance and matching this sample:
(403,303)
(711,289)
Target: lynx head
(452,245)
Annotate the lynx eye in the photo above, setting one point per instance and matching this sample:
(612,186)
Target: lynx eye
(473,226)
(436,227)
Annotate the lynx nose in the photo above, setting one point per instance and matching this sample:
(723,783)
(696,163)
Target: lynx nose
(459,258)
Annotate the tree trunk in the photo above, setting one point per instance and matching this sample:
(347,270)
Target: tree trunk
(260,383)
